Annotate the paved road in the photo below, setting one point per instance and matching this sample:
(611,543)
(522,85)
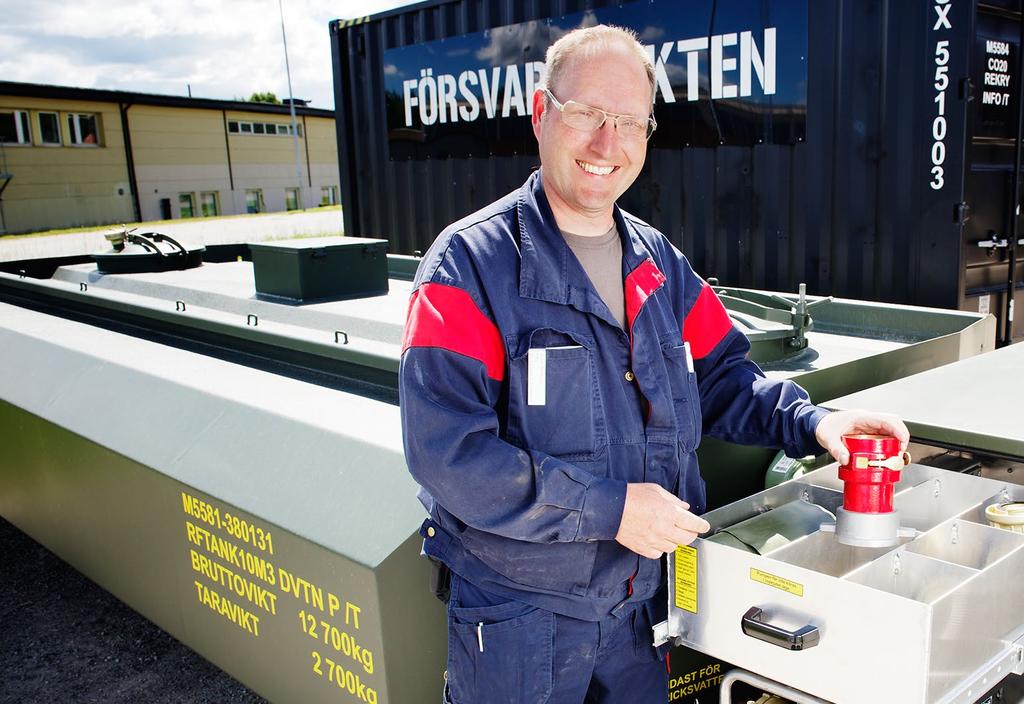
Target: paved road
(225,230)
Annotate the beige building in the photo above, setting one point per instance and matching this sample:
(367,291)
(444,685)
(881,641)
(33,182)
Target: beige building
(74,156)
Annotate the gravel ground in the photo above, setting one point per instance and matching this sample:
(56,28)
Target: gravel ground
(64,639)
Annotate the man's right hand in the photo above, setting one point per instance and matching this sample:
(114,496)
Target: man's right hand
(654,521)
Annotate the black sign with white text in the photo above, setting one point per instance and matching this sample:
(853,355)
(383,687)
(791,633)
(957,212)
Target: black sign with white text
(995,88)
(731,72)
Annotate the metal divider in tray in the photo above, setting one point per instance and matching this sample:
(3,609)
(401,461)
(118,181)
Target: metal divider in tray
(937,618)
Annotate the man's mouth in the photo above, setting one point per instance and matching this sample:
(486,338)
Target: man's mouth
(595,169)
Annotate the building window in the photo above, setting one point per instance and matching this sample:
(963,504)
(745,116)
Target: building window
(82,129)
(49,128)
(185,208)
(265,128)
(291,199)
(14,127)
(254,201)
(329,195)
(208,204)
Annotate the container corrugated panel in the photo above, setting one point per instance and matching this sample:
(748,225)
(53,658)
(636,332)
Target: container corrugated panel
(849,210)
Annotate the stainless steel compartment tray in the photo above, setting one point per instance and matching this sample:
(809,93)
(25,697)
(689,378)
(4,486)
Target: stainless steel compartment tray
(928,619)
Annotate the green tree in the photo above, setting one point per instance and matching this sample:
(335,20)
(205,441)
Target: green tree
(267,97)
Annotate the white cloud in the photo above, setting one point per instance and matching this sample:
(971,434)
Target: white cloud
(222,49)
(651,34)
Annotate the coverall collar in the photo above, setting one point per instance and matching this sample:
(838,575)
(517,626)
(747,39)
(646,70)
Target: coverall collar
(549,270)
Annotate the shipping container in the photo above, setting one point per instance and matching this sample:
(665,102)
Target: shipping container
(866,148)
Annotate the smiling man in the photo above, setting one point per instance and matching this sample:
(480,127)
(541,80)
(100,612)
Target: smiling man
(561,361)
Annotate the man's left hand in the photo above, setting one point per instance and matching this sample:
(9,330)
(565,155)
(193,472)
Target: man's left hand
(835,425)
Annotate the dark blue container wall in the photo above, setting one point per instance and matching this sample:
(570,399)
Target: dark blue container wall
(848,211)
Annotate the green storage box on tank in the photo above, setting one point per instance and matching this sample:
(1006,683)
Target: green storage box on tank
(320,269)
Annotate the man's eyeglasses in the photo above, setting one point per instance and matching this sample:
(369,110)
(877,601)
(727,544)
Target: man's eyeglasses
(587,119)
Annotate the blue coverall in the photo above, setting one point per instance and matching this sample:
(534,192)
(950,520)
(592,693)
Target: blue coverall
(524,471)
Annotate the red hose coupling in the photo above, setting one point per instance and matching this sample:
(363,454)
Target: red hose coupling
(871,473)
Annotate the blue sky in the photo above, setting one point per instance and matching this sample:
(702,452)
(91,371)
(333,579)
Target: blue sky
(224,49)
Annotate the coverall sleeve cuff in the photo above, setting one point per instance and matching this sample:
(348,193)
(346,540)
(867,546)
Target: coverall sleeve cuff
(813,447)
(602,510)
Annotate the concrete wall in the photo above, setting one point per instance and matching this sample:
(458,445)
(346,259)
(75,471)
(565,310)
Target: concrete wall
(176,150)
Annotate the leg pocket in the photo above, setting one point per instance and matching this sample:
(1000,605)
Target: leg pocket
(643,635)
(499,654)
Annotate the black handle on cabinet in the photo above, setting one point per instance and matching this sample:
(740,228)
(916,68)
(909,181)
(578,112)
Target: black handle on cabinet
(754,625)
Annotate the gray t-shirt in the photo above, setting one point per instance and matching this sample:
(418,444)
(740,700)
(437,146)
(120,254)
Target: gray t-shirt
(601,258)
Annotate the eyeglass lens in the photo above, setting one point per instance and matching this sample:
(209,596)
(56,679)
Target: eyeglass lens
(586,118)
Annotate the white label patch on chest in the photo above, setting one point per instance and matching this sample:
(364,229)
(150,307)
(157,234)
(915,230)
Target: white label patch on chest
(536,376)
(689,357)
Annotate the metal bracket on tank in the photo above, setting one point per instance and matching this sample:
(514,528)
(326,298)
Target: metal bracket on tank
(773,309)
(661,636)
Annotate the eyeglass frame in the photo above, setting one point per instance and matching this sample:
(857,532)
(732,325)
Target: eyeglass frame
(652,124)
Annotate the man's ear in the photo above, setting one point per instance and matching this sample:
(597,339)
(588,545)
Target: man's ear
(539,106)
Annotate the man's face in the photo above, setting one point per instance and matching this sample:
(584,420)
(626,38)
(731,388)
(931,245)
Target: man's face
(615,81)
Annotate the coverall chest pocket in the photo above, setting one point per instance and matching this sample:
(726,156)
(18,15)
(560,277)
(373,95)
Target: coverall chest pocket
(553,398)
(685,395)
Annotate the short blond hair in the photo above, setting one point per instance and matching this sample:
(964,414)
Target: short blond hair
(585,42)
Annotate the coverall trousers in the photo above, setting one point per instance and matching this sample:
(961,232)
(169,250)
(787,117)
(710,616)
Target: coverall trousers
(508,651)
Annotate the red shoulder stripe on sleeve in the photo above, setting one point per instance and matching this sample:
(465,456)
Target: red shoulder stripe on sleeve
(706,323)
(640,284)
(447,317)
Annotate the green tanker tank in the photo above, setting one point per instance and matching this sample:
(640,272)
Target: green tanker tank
(230,464)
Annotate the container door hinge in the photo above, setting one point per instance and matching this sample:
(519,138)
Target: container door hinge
(961,213)
(966,89)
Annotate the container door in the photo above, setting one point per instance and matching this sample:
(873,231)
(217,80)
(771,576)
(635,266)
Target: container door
(992,150)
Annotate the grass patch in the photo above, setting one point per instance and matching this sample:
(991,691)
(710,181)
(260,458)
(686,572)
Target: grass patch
(303,236)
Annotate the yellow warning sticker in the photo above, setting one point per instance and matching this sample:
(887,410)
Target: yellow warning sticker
(686,578)
(772,580)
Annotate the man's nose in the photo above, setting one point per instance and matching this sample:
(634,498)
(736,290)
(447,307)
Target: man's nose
(605,138)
